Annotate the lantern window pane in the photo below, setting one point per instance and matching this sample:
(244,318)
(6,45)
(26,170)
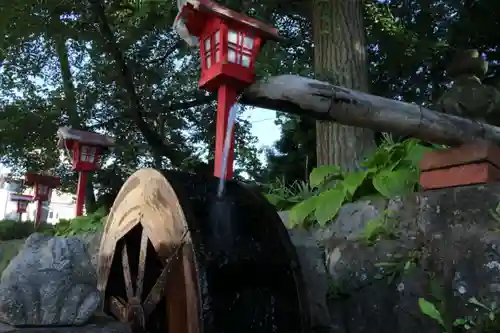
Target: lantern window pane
(232,37)
(88,154)
(208,61)
(231,56)
(217,56)
(245,60)
(84,153)
(91,156)
(248,42)
(207,44)
(217,37)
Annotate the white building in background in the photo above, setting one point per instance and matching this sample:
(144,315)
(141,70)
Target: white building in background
(60,205)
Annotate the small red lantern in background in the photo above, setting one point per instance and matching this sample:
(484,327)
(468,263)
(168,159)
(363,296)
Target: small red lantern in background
(230,42)
(86,149)
(43,186)
(22,201)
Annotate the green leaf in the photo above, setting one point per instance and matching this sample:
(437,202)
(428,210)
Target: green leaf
(430,310)
(353,180)
(397,182)
(385,264)
(301,211)
(475,301)
(328,204)
(273,198)
(415,153)
(319,174)
(371,228)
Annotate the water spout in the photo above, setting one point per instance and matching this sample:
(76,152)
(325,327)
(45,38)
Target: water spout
(227,145)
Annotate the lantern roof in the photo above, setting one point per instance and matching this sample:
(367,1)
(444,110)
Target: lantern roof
(71,134)
(20,197)
(214,9)
(31,178)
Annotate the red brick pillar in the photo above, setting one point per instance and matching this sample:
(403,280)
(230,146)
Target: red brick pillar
(473,163)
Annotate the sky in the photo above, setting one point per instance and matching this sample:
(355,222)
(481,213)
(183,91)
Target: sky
(263,126)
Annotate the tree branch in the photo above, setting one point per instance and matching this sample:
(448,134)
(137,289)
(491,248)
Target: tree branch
(201,100)
(136,111)
(319,100)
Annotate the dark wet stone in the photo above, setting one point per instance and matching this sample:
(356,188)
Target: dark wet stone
(461,251)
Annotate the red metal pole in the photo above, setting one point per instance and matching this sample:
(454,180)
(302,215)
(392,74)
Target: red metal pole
(226,97)
(80,192)
(38,218)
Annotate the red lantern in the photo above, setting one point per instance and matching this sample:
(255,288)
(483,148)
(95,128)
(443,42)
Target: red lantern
(86,149)
(22,201)
(230,41)
(43,185)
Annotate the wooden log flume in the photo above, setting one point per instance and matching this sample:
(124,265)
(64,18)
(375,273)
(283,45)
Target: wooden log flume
(313,98)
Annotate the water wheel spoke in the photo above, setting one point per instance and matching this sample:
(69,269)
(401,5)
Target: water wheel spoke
(126,273)
(142,264)
(118,309)
(157,292)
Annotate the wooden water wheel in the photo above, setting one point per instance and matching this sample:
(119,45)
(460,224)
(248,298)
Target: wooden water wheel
(175,258)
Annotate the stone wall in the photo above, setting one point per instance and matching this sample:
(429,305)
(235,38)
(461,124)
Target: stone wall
(442,245)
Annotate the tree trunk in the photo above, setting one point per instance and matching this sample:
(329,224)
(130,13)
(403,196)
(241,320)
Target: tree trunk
(70,102)
(90,200)
(340,56)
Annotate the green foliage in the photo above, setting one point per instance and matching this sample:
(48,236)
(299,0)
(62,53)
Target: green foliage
(383,227)
(430,310)
(285,196)
(485,322)
(12,229)
(91,223)
(391,171)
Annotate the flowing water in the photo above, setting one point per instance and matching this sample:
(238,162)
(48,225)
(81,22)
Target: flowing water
(250,284)
(227,145)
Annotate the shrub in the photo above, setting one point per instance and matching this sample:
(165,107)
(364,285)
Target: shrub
(86,224)
(12,229)
(92,223)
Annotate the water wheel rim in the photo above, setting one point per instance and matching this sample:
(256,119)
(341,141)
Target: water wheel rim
(147,199)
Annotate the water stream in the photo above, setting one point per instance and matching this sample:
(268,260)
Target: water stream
(227,145)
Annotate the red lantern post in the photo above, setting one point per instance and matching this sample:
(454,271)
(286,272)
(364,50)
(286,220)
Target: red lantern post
(22,201)
(43,185)
(86,149)
(230,41)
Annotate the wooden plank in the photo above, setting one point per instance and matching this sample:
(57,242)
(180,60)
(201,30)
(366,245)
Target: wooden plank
(466,154)
(319,100)
(468,174)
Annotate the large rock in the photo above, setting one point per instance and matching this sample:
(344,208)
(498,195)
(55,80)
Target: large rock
(92,243)
(51,281)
